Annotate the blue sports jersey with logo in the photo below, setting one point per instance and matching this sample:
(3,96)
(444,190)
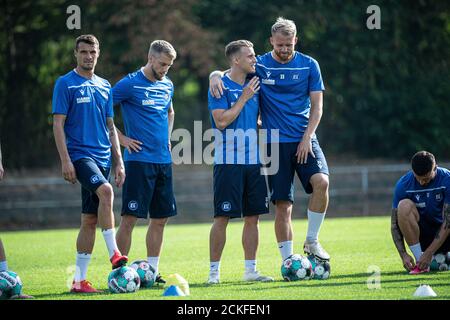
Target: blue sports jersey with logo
(237,143)
(429,199)
(86,103)
(285,88)
(145,106)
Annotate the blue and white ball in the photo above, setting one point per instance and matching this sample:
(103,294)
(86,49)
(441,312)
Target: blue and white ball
(321,268)
(10,285)
(296,267)
(145,271)
(123,280)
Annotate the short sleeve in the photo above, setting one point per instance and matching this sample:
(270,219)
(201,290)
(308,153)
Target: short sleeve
(399,194)
(121,91)
(315,82)
(61,98)
(217,103)
(447,189)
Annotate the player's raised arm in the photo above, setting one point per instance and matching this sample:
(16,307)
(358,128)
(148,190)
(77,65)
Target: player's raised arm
(67,168)
(116,154)
(397,237)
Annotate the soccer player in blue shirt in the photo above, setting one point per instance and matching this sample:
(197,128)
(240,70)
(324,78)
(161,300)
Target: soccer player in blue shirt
(85,136)
(146,100)
(239,186)
(421,213)
(292,102)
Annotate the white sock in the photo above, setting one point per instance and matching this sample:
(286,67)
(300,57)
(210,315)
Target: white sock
(285,249)
(315,220)
(82,263)
(154,262)
(110,238)
(416,251)
(214,266)
(3,266)
(250,265)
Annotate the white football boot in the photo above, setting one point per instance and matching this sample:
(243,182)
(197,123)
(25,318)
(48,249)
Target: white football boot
(214,278)
(255,276)
(316,249)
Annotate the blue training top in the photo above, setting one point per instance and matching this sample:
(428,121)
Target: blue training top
(429,199)
(285,88)
(237,143)
(86,103)
(145,106)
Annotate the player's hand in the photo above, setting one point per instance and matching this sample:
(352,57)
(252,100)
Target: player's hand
(68,172)
(2,171)
(408,262)
(216,86)
(131,144)
(119,175)
(425,260)
(250,89)
(304,147)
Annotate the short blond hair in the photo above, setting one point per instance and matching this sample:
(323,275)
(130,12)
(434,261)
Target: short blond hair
(285,27)
(161,46)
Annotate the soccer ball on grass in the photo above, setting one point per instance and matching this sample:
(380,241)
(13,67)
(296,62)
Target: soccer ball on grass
(145,271)
(296,267)
(123,280)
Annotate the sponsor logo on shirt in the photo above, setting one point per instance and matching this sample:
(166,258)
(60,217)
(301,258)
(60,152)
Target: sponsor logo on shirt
(421,205)
(84,100)
(148,102)
(268,81)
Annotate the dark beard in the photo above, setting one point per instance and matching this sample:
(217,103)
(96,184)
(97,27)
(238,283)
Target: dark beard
(156,75)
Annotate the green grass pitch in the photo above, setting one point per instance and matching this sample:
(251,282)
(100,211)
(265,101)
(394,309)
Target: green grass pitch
(45,261)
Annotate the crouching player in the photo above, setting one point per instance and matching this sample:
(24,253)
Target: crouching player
(421,213)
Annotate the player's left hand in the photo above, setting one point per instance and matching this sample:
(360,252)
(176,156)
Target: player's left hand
(425,260)
(304,147)
(119,175)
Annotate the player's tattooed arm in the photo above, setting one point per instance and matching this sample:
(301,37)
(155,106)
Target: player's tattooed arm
(446,216)
(396,233)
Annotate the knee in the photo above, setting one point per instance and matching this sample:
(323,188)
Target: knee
(105,192)
(89,222)
(158,223)
(406,209)
(251,220)
(320,183)
(221,222)
(128,222)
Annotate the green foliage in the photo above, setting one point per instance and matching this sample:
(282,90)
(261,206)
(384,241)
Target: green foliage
(387,90)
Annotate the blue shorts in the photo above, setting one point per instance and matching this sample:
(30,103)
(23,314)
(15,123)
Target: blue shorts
(148,190)
(91,176)
(281,184)
(239,190)
(428,230)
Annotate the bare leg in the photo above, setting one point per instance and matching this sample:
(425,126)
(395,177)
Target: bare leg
(105,195)
(86,235)
(2,252)
(154,237)
(250,237)
(283,225)
(318,201)
(217,237)
(124,234)
(408,221)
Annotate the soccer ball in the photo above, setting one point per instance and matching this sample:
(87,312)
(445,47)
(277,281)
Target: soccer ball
(145,271)
(296,267)
(439,262)
(10,285)
(321,268)
(123,280)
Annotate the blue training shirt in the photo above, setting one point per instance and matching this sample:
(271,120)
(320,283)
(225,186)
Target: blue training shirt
(429,199)
(145,106)
(86,103)
(237,143)
(285,88)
